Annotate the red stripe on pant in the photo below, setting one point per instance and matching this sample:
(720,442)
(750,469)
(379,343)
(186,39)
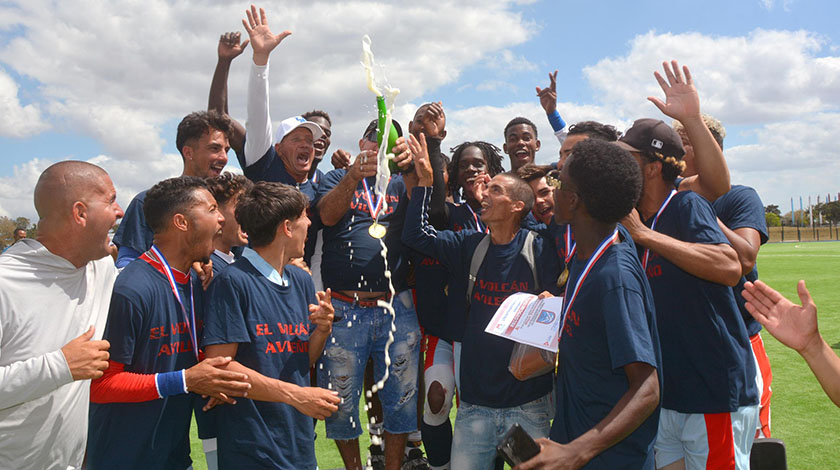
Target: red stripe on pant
(721,442)
(431,348)
(767,377)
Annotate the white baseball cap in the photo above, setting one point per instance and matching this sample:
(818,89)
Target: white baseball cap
(292,123)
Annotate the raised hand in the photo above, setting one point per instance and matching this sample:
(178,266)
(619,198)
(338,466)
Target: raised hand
(263,41)
(86,359)
(681,99)
(340,159)
(548,96)
(475,187)
(364,165)
(322,314)
(433,121)
(794,325)
(230,47)
(403,152)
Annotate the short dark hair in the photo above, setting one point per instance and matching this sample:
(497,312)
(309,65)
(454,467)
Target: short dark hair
(607,178)
(227,185)
(196,124)
(317,113)
(169,197)
(492,155)
(530,172)
(520,120)
(18,229)
(264,207)
(520,191)
(595,130)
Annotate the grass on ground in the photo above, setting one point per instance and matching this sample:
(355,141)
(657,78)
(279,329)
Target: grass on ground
(802,415)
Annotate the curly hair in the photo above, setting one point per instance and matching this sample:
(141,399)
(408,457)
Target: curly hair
(317,112)
(227,185)
(595,130)
(169,197)
(671,166)
(492,155)
(715,127)
(264,207)
(520,120)
(196,124)
(607,178)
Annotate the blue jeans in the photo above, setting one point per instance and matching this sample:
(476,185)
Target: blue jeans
(479,429)
(362,332)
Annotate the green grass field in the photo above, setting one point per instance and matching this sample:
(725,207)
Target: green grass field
(802,415)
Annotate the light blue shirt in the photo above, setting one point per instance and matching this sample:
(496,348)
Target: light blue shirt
(265,268)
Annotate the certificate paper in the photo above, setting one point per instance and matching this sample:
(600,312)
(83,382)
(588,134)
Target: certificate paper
(526,319)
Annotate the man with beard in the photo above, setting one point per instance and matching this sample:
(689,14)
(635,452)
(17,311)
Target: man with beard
(141,407)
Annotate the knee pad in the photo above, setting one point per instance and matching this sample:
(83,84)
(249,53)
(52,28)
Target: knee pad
(442,375)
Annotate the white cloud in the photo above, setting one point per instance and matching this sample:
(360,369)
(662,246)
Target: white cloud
(121,72)
(762,77)
(16,190)
(17,120)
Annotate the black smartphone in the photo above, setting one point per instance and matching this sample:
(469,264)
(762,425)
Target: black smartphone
(517,446)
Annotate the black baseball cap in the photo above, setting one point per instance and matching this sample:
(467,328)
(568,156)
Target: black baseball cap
(652,136)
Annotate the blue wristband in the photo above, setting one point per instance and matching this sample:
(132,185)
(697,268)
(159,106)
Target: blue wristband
(170,383)
(556,121)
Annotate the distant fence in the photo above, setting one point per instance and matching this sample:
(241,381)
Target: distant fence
(804,234)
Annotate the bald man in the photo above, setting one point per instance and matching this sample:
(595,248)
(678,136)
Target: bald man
(54,296)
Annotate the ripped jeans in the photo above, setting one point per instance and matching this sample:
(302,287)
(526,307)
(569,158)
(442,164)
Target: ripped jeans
(359,333)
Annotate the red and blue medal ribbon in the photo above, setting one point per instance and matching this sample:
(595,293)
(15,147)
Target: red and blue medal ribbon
(571,246)
(167,271)
(374,210)
(478,224)
(568,300)
(653,225)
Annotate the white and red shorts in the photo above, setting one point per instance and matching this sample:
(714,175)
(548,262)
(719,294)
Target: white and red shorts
(713,441)
(763,379)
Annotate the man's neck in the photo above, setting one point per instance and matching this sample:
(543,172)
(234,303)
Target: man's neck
(222,245)
(176,252)
(652,198)
(589,233)
(503,232)
(64,248)
(274,254)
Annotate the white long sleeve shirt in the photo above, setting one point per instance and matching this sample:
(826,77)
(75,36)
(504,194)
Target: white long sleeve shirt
(258,131)
(45,302)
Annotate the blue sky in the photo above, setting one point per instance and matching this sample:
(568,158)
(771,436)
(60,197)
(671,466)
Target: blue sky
(109,81)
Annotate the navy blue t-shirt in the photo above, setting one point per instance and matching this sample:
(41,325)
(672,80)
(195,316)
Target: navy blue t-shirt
(351,258)
(742,208)
(133,231)
(271,325)
(707,359)
(612,323)
(148,334)
(271,168)
(485,379)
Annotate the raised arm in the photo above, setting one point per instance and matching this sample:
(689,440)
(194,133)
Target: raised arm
(683,104)
(229,49)
(336,203)
(311,401)
(80,359)
(548,100)
(712,262)
(795,326)
(258,126)
(434,123)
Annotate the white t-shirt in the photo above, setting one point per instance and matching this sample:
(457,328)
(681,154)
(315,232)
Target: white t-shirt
(45,302)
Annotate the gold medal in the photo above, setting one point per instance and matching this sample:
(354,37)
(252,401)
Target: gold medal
(564,276)
(377,230)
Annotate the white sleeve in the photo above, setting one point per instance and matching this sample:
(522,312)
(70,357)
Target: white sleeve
(258,132)
(561,135)
(33,378)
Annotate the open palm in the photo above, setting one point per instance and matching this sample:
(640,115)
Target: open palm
(263,41)
(794,325)
(681,99)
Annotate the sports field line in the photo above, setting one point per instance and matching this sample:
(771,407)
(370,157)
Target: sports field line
(797,255)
